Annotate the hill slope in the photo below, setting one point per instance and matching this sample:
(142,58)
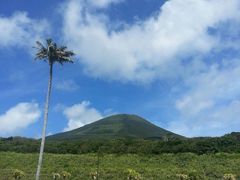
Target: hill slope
(117,126)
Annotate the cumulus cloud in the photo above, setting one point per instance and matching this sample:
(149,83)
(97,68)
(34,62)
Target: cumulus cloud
(18,117)
(20,30)
(211,105)
(149,49)
(80,114)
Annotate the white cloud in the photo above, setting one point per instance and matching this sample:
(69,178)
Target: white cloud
(81,114)
(18,117)
(211,105)
(66,85)
(148,49)
(20,30)
(217,121)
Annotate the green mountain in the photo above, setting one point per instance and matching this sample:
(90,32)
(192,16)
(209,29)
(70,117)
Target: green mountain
(117,126)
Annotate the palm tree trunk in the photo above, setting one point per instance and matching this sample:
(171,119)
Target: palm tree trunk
(45,123)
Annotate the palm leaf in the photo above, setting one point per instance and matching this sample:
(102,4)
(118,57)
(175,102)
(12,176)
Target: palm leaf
(52,53)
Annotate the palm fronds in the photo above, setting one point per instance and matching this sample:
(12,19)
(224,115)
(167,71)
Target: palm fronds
(52,53)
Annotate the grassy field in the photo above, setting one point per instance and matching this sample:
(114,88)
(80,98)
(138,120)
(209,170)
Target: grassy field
(165,166)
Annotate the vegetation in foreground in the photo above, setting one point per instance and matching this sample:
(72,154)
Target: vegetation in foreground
(127,166)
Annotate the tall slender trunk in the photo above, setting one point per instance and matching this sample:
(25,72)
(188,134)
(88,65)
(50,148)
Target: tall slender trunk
(44,123)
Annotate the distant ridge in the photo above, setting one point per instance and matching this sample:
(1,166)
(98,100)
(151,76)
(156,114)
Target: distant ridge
(117,126)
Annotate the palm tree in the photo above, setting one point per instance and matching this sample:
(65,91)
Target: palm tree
(50,54)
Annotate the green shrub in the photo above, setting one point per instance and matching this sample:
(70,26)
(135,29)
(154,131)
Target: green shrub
(133,175)
(65,175)
(56,176)
(182,176)
(229,177)
(194,175)
(18,174)
(94,175)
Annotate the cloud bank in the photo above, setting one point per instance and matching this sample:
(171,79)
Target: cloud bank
(18,118)
(146,50)
(81,114)
(20,30)
(211,105)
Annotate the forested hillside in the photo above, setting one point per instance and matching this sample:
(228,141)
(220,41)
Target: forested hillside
(228,143)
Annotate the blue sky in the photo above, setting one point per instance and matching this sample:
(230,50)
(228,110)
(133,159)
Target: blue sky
(175,63)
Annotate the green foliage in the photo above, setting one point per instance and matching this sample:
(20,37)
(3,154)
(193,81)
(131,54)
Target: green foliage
(94,175)
(182,176)
(121,125)
(56,176)
(229,177)
(194,175)
(228,143)
(18,174)
(133,175)
(114,166)
(66,175)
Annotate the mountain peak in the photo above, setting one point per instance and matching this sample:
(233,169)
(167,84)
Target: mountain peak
(117,126)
